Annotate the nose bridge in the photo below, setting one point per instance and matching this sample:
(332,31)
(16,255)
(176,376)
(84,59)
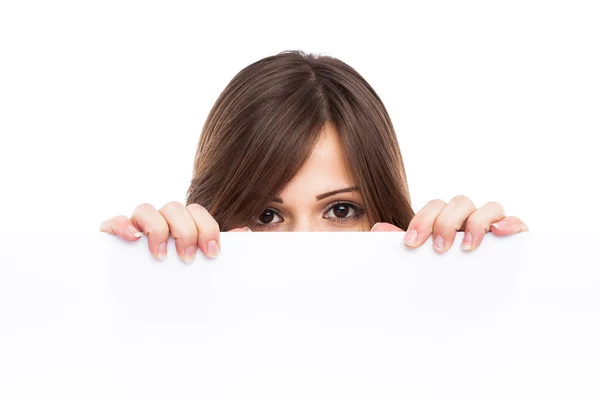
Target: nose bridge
(304,223)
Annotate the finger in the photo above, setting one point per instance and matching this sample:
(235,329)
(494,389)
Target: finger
(148,220)
(245,229)
(182,228)
(450,220)
(209,234)
(122,227)
(508,226)
(421,225)
(479,223)
(385,227)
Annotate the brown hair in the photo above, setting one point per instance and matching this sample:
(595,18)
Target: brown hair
(264,125)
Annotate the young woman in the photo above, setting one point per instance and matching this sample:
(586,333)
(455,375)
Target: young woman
(298,142)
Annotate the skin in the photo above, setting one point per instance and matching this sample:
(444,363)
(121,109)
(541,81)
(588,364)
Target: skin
(297,209)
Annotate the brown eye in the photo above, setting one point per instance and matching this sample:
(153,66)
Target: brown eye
(267,217)
(343,211)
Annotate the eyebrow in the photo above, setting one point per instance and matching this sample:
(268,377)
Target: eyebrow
(324,195)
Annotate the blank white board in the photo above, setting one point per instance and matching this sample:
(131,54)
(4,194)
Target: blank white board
(300,316)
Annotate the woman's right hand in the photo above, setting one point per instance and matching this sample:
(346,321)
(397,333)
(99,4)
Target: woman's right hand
(191,226)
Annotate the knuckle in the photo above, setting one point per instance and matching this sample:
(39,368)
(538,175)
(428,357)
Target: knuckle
(215,226)
(477,222)
(208,226)
(145,207)
(461,200)
(173,205)
(158,228)
(494,206)
(205,220)
(195,207)
(437,203)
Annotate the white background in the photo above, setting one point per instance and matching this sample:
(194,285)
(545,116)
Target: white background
(371,320)
(102,103)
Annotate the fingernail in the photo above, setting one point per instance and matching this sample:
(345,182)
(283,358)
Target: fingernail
(162,251)
(134,231)
(467,241)
(438,243)
(213,248)
(190,254)
(500,224)
(373,228)
(411,237)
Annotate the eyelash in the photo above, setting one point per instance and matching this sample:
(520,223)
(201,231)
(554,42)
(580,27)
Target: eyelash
(358,212)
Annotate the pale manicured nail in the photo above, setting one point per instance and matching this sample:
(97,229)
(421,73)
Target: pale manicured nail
(190,254)
(438,243)
(213,248)
(467,241)
(162,251)
(410,238)
(134,231)
(500,224)
(373,228)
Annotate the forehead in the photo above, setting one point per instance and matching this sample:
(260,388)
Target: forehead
(325,170)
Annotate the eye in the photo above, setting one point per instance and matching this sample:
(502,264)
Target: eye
(267,217)
(344,212)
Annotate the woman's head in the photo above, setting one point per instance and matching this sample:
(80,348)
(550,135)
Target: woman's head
(289,128)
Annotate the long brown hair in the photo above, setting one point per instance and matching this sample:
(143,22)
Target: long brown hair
(264,125)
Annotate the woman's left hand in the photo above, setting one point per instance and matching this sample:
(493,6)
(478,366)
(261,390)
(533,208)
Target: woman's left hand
(443,220)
